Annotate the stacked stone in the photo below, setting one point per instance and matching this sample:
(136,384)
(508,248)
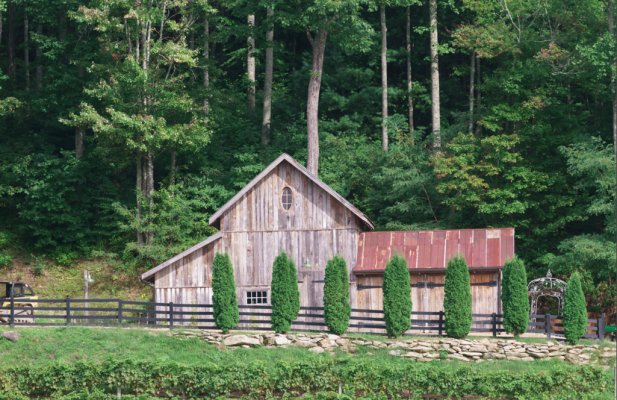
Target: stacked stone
(420,349)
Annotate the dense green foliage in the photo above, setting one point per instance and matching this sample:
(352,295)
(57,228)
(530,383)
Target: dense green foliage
(396,296)
(538,155)
(336,308)
(285,295)
(574,310)
(224,300)
(457,299)
(516,306)
(322,373)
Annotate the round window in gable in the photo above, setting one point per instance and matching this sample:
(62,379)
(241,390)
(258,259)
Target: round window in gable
(287,199)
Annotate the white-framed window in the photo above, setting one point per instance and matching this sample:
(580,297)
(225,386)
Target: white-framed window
(287,198)
(257,297)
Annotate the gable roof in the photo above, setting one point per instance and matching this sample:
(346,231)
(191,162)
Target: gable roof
(286,157)
(482,248)
(150,274)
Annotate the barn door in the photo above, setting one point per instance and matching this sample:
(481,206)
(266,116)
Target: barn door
(484,296)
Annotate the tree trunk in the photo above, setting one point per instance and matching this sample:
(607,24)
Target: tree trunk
(435,77)
(26,51)
(11,44)
(384,79)
(79,141)
(39,61)
(172,180)
(409,82)
(138,194)
(479,102)
(312,108)
(472,76)
(250,68)
(206,57)
(265,125)
(0,27)
(150,193)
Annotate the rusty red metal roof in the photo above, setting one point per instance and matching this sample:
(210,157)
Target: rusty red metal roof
(482,248)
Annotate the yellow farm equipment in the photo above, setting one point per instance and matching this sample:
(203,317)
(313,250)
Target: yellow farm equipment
(21,294)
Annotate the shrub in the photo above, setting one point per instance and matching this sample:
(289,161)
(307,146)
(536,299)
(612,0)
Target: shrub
(224,300)
(5,260)
(574,310)
(336,296)
(396,296)
(516,308)
(285,296)
(457,299)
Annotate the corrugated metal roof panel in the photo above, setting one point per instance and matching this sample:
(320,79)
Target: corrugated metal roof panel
(482,248)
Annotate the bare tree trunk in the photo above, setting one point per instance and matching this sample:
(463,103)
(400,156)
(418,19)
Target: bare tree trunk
(471,89)
(11,44)
(435,76)
(479,102)
(0,27)
(265,125)
(409,82)
(206,57)
(172,180)
(79,142)
(384,79)
(312,108)
(150,190)
(26,51)
(138,193)
(250,68)
(39,61)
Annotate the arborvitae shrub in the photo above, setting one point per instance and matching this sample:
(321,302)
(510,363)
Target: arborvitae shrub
(224,300)
(396,296)
(574,310)
(336,296)
(516,308)
(457,299)
(285,296)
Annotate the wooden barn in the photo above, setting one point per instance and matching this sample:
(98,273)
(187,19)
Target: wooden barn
(286,208)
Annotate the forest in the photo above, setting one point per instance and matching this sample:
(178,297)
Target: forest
(124,124)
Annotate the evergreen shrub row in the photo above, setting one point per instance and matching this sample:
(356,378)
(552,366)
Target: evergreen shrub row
(321,373)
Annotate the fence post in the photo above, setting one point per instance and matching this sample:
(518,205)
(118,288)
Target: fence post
(601,323)
(494,318)
(12,312)
(120,312)
(68,311)
(440,323)
(171,315)
(548,325)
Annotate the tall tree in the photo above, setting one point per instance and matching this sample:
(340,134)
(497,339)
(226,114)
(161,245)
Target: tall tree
(142,90)
(516,308)
(267,114)
(285,296)
(318,19)
(336,296)
(457,299)
(409,81)
(574,310)
(472,76)
(224,300)
(11,41)
(435,105)
(384,78)
(250,67)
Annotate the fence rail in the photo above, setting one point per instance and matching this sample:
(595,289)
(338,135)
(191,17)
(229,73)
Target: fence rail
(66,312)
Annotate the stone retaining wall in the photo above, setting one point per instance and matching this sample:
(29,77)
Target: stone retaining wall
(419,349)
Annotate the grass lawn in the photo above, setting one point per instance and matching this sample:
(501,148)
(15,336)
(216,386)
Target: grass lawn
(38,346)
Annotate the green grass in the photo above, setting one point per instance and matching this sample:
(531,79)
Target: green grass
(39,346)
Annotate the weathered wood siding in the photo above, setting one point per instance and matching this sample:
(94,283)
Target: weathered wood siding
(257,229)
(485,299)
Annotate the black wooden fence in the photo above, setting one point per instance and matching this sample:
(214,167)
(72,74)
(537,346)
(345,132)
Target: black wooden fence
(116,312)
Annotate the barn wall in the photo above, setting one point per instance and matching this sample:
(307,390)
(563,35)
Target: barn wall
(256,229)
(484,299)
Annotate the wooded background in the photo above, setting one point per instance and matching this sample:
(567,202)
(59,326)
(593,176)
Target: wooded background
(125,124)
